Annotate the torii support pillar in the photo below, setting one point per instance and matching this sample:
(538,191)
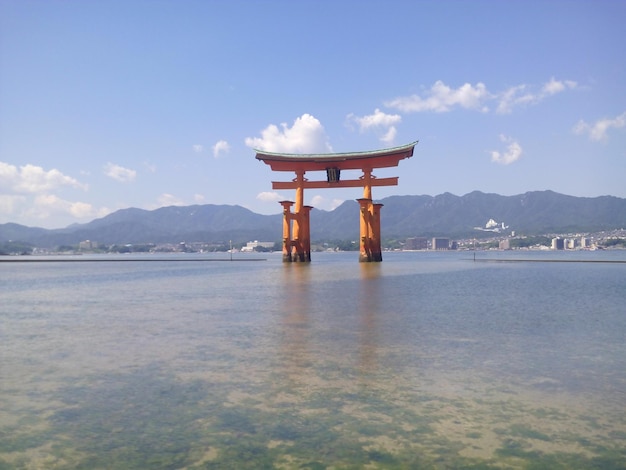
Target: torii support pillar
(370,248)
(377,253)
(287,216)
(301,251)
(298,248)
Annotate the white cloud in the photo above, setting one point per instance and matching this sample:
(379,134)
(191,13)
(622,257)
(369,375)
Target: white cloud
(334,203)
(150,167)
(512,153)
(33,179)
(523,95)
(81,210)
(166,199)
(267,196)
(199,198)
(220,147)
(598,130)
(307,135)
(50,201)
(389,136)
(29,195)
(442,98)
(320,202)
(46,205)
(10,203)
(379,121)
(8,175)
(41,208)
(514,96)
(197,148)
(119,173)
(556,86)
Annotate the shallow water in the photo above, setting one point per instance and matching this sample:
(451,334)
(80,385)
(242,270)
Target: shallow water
(427,360)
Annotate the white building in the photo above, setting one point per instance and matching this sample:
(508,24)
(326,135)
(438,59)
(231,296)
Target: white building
(87,245)
(570,243)
(558,244)
(250,246)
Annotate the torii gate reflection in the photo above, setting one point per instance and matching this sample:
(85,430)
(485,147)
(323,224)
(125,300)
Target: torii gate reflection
(297,240)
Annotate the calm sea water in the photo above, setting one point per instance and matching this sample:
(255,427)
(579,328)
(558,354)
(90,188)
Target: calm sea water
(427,360)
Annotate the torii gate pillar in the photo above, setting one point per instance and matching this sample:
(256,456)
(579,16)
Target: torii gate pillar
(296,225)
(370,248)
(287,217)
(298,248)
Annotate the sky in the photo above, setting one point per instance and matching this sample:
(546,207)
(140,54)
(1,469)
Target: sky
(106,105)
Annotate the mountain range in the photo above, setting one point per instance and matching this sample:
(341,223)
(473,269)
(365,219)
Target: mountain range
(531,213)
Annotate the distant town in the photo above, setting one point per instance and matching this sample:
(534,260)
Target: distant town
(539,220)
(614,239)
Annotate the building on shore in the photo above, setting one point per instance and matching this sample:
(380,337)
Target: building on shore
(87,245)
(440,243)
(416,243)
(252,246)
(558,243)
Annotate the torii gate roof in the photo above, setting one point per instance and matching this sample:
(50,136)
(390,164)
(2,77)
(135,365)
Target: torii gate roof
(344,161)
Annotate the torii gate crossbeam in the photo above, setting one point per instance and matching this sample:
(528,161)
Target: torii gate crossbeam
(297,241)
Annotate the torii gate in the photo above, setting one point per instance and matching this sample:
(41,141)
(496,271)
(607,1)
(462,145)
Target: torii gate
(297,242)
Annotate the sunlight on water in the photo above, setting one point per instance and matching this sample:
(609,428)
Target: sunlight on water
(427,360)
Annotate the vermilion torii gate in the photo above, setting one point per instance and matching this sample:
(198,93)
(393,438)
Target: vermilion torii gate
(297,241)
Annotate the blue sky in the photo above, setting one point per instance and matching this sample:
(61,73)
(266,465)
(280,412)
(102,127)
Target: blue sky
(112,104)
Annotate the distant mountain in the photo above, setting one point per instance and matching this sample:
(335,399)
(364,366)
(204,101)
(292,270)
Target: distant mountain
(538,212)
(532,213)
(199,223)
